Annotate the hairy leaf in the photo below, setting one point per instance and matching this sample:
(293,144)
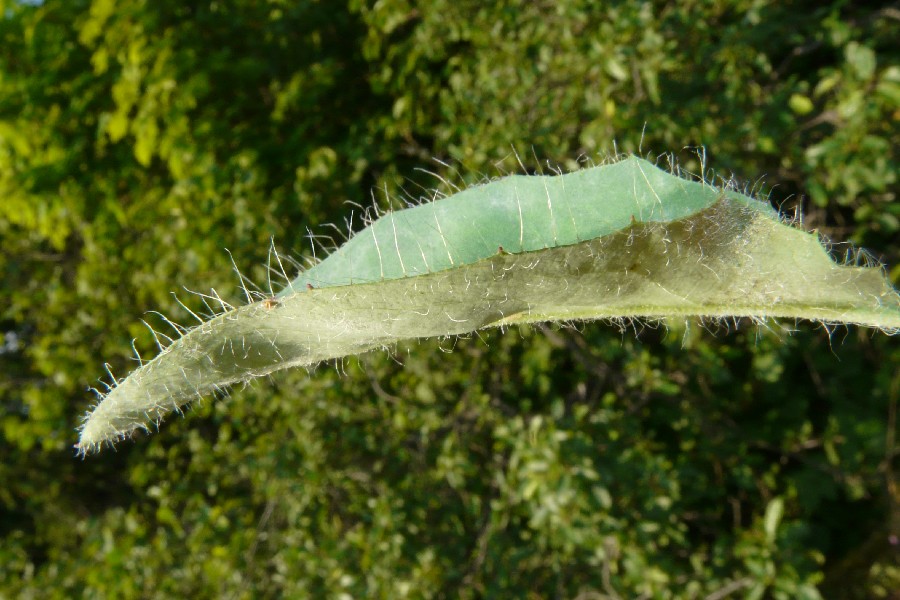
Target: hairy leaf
(626,240)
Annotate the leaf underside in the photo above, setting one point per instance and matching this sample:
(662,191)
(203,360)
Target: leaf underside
(680,249)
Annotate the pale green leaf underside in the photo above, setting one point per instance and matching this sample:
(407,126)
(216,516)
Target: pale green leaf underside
(634,241)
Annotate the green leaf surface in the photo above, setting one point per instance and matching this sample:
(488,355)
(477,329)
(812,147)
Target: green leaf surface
(626,240)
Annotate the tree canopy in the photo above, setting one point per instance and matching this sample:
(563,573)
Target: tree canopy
(139,140)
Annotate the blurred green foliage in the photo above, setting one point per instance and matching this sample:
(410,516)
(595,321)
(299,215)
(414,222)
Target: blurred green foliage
(137,140)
